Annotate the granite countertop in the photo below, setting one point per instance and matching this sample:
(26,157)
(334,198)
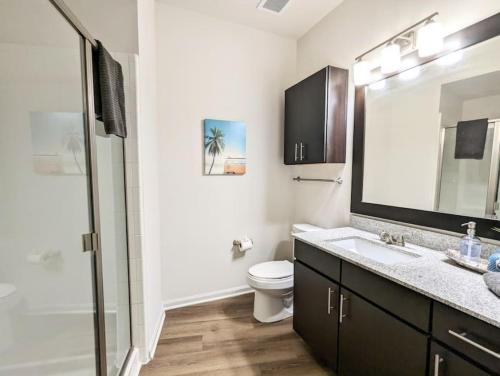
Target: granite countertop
(432,274)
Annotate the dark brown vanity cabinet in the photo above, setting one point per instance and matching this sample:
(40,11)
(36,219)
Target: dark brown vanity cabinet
(364,324)
(315,118)
(372,342)
(316,312)
(444,362)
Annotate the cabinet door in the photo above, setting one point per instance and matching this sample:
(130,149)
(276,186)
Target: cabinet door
(315,316)
(443,362)
(372,342)
(313,108)
(293,121)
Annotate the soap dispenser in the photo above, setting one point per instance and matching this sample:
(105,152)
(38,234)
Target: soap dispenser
(470,245)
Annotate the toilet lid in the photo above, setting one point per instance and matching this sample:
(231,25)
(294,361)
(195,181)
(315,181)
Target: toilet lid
(272,269)
(6,290)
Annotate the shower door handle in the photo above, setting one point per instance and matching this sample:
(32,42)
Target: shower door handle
(90,242)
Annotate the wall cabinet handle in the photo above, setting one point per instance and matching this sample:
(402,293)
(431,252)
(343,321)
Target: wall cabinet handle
(462,337)
(301,151)
(330,290)
(341,313)
(296,150)
(437,361)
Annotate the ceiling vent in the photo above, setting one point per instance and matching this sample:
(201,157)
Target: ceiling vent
(275,6)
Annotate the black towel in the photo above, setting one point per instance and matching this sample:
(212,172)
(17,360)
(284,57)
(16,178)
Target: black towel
(471,138)
(109,96)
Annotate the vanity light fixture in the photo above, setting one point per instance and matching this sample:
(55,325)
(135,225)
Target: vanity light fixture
(410,74)
(430,38)
(424,38)
(391,58)
(451,58)
(378,85)
(361,70)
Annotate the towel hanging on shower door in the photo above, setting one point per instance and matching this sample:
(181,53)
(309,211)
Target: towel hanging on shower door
(471,139)
(109,95)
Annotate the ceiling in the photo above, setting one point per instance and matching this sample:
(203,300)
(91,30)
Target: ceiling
(298,17)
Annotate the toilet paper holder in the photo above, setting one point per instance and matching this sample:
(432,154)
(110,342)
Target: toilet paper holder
(244,244)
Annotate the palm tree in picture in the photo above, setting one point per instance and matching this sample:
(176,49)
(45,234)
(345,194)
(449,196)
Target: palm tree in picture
(214,143)
(74,144)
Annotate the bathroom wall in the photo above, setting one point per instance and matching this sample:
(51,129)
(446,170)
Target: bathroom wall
(209,68)
(149,164)
(352,28)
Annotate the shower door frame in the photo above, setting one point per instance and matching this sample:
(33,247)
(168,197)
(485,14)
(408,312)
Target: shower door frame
(493,181)
(88,43)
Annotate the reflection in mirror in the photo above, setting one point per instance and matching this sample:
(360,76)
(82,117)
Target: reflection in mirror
(432,135)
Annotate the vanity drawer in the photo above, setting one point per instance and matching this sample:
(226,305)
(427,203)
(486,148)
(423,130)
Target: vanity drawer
(400,301)
(474,338)
(321,261)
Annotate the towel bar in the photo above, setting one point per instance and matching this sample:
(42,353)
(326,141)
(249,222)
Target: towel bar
(337,180)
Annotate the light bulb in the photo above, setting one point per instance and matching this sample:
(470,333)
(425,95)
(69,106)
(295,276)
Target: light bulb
(361,73)
(391,58)
(410,73)
(430,39)
(451,58)
(378,85)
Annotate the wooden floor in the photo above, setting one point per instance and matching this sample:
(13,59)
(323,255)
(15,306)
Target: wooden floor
(222,338)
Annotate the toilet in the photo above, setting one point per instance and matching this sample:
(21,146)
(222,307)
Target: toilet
(273,285)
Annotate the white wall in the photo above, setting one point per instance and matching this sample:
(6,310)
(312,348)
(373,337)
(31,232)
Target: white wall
(113,22)
(349,30)
(147,136)
(209,68)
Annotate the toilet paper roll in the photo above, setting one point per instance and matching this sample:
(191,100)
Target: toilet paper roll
(245,245)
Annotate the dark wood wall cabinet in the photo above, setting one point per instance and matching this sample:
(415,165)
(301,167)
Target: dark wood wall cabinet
(315,118)
(363,324)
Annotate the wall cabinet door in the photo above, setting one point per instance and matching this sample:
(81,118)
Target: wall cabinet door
(316,311)
(443,362)
(372,342)
(293,120)
(315,118)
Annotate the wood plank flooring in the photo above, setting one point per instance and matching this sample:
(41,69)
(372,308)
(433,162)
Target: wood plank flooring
(222,338)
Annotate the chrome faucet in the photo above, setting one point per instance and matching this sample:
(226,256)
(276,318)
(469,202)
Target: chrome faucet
(391,239)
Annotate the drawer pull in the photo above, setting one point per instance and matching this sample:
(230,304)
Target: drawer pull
(330,300)
(341,313)
(462,337)
(437,360)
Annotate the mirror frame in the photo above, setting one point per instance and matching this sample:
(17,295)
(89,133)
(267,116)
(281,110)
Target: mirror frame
(471,35)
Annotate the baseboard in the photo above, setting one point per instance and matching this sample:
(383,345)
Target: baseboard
(154,342)
(133,366)
(207,297)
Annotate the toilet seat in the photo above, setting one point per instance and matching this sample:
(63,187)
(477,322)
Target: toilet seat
(272,270)
(272,275)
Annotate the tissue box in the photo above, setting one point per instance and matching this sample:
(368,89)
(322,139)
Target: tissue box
(494,263)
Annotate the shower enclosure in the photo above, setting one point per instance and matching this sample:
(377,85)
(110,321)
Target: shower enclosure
(469,186)
(64,280)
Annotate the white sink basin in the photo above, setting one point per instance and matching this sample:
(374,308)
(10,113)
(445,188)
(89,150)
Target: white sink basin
(371,249)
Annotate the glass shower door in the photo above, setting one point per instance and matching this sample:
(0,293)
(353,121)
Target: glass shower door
(114,249)
(465,184)
(47,308)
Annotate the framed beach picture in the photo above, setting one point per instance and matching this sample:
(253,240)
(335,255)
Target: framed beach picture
(225,147)
(58,143)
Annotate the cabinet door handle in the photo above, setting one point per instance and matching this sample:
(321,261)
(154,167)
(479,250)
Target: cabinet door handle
(462,337)
(301,151)
(296,150)
(341,313)
(330,290)
(437,360)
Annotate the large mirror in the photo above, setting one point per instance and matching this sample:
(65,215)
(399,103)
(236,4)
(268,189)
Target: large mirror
(432,135)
